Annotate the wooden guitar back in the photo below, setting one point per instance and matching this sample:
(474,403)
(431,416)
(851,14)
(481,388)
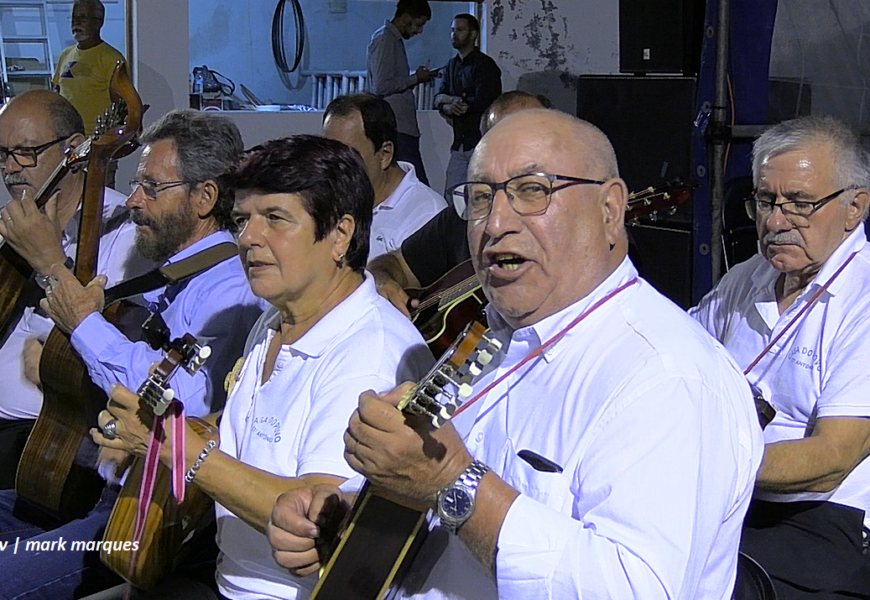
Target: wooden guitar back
(167,527)
(56,472)
(14,273)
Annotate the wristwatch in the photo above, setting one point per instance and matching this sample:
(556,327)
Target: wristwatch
(44,281)
(456,501)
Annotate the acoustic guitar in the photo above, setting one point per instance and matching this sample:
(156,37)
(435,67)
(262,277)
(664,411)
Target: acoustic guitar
(15,272)
(57,473)
(380,538)
(168,524)
(457,298)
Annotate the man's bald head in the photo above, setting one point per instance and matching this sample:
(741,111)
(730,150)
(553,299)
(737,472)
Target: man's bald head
(558,129)
(63,118)
(506,104)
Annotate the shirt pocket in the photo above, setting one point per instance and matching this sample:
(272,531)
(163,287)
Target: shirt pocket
(552,489)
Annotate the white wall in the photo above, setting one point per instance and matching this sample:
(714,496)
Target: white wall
(542,47)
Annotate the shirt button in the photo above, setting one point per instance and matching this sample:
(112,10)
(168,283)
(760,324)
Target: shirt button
(479,437)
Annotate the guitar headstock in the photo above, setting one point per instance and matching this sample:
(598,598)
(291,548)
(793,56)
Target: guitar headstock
(448,384)
(120,123)
(185,353)
(653,201)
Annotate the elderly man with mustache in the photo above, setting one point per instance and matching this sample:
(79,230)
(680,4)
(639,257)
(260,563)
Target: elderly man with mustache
(36,128)
(796,318)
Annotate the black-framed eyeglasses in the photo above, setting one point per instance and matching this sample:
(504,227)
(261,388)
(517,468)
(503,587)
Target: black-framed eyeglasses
(528,194)
(796,211)
(152,188)
(26,156)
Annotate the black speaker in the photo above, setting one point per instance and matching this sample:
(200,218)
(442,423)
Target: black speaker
(660,36)
(649,122)
(663,256)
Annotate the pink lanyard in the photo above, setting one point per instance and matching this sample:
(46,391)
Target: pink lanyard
(175,413)
(803,310)
(543,347)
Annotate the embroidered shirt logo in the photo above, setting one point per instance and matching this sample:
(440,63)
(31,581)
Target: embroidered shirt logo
(806,358)
(268,429)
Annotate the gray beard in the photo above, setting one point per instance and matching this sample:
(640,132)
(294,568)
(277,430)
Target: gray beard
(166,235)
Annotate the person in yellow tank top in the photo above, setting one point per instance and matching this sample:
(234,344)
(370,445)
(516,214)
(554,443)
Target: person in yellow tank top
(84,70)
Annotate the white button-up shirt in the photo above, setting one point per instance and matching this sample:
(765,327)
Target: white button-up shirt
(819,367)
(656,434)
(117,260)
(403,212)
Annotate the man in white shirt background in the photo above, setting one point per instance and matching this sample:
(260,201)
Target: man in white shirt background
(797,316)
(636,475)
(389,76)
(403,203)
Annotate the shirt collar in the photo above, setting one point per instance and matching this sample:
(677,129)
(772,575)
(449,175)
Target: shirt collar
(394,31)
(546,328)
(407,182)
(318,339)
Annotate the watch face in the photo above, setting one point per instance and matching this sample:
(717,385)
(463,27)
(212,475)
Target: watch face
(456,503)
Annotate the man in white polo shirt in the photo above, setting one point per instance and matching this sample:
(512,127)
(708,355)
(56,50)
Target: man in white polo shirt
(797,317)
(403,203)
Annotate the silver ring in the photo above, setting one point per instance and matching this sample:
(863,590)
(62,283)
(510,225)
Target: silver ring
(110,430)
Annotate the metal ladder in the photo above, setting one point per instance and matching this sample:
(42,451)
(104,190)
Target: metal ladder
(26,59)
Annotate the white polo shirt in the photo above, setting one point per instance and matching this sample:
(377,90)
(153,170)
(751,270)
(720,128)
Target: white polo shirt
(819,368)
(293,424)
(404,211)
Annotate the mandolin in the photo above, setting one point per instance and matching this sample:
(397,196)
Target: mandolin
(15,272)
(456,298)
(380,538)
(57,472)
(168,524)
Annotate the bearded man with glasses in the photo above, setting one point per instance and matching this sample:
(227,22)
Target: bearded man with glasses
(796,318)
(36,129)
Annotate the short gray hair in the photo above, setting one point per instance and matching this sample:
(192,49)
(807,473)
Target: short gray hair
(206,145)
(852,168)
(96,7)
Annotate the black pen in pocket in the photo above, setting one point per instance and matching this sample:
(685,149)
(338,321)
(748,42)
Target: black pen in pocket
(538,462)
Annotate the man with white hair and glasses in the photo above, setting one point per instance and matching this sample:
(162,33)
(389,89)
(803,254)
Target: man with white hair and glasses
(796,318)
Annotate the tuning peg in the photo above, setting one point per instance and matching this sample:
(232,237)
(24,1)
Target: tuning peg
(494,344)
(474,369)
(484,358)
(464,390)
(198,360)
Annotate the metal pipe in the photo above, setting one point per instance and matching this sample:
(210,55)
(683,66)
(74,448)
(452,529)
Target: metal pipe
(718,123)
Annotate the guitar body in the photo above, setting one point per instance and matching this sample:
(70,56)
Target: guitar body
(168,524)
(396,531)
(380,538)
(56,472)
(14,273)
(447,306)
